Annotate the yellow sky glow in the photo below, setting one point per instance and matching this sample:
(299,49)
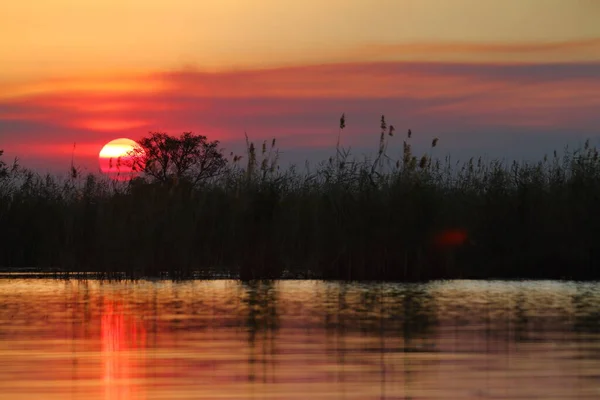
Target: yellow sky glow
(49,38)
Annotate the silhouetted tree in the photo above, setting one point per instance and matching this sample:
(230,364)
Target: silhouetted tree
(3,168)
(190,157)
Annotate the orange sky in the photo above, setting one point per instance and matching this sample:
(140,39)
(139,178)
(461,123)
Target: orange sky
(476,74)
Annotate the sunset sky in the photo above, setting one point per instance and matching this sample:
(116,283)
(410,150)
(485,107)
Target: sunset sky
(510,78)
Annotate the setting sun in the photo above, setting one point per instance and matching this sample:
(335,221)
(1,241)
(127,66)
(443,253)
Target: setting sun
(114,158)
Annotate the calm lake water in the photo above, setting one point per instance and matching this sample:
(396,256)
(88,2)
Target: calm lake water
(298,340)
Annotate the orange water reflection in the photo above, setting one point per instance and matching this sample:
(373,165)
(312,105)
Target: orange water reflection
(297,340)
(123,342)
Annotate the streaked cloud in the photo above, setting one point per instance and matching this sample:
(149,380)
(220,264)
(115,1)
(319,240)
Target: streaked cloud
(569,51)
(301,106)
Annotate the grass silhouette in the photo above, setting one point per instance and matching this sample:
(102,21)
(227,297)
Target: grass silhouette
(407,219)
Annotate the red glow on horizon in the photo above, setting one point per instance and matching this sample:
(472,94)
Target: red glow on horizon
(298,104)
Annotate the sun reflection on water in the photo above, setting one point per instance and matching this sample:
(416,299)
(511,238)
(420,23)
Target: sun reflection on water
(123,342)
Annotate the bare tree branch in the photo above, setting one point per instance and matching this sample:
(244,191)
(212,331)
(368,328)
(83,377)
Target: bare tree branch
(188,157)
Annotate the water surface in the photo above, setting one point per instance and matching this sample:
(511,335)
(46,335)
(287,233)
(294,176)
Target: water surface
(88,339)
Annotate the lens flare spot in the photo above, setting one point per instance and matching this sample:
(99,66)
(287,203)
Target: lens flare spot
(451,238)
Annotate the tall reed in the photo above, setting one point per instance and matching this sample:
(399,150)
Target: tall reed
(347,218)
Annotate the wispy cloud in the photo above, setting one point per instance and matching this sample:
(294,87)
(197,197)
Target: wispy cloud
(568,50)
(301,105)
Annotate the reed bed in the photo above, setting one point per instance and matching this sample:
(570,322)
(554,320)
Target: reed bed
(346,218)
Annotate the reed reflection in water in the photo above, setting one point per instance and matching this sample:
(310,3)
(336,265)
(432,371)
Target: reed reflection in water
(298,339)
